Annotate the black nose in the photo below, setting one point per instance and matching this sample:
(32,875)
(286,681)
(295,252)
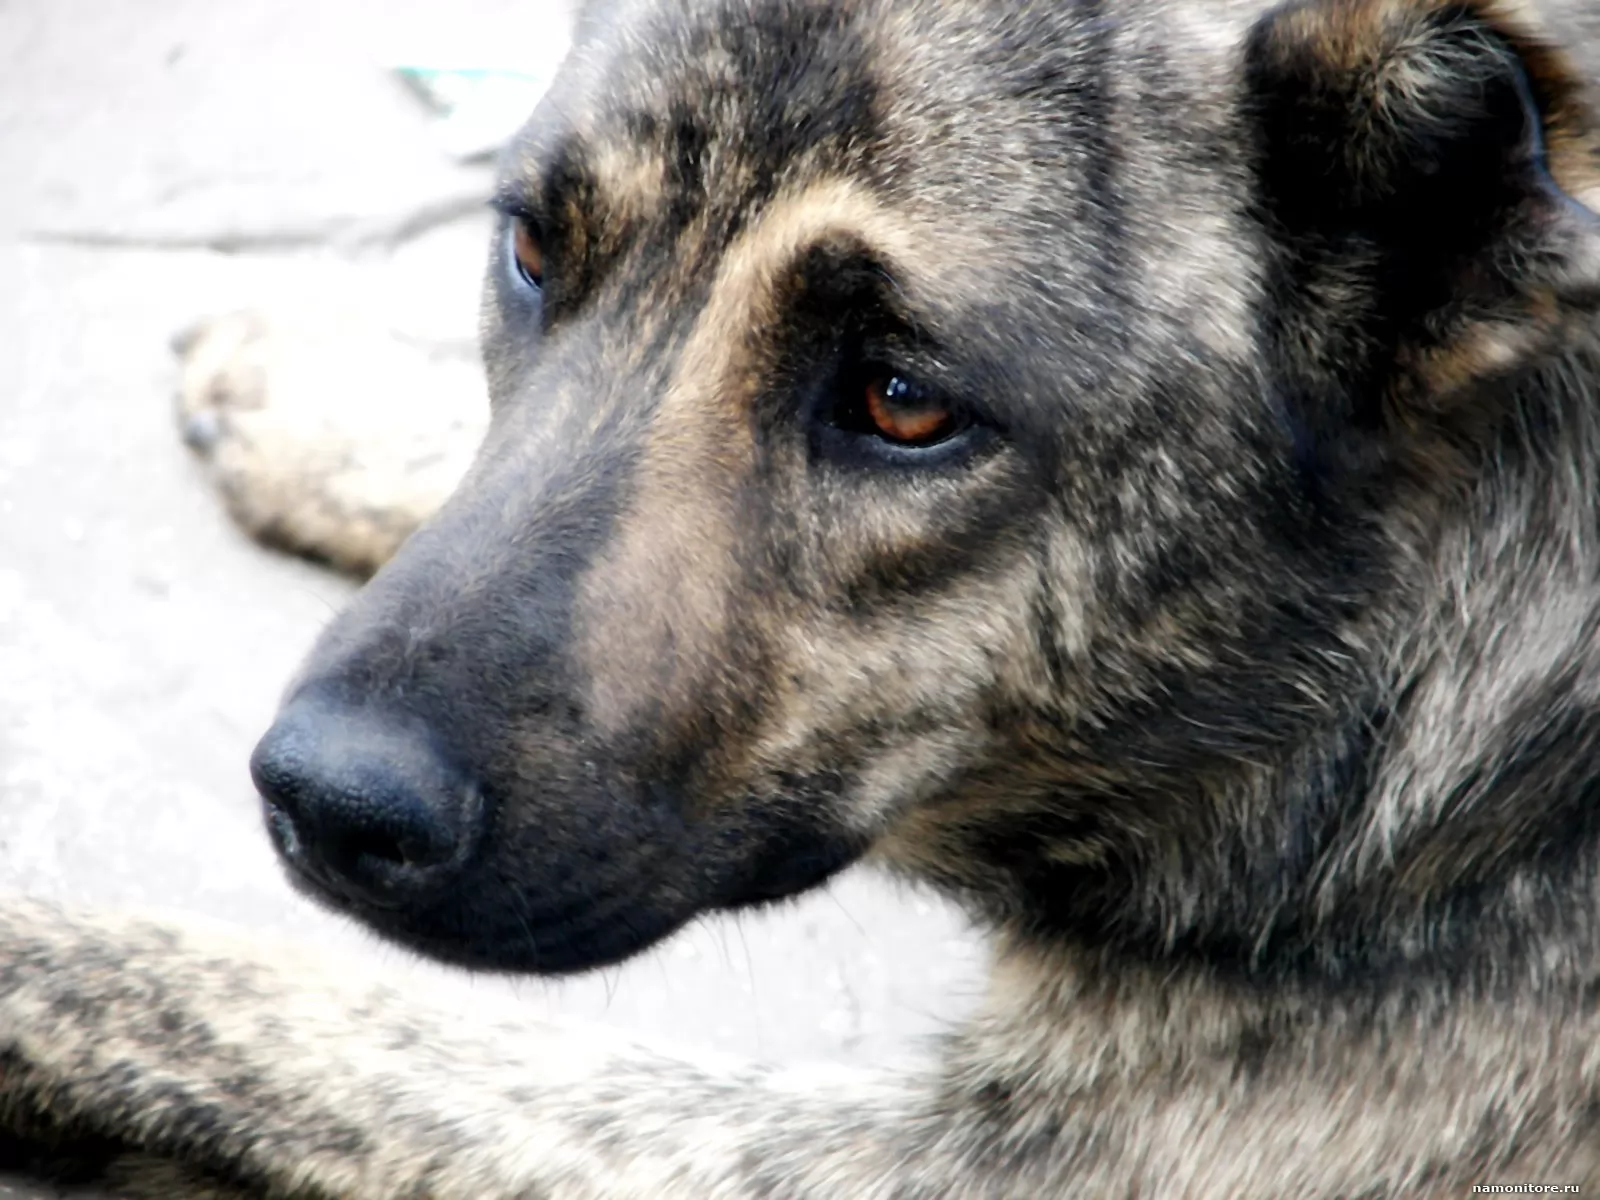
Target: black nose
(364,805)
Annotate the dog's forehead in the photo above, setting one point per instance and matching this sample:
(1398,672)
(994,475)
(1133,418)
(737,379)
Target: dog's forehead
(700,91)
(766,86)
(1098,120)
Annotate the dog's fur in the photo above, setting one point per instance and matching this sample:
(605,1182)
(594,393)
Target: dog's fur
(1237,664)
(323,433)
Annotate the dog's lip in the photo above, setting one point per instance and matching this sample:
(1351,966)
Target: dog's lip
(576,934)
(604,930)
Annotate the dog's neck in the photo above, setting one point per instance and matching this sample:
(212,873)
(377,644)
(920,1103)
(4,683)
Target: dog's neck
(1229,1081)
(1478,840)
(1441,830)
(1095,1017)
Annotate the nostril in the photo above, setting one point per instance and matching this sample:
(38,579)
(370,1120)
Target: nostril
(353,847)
(371,866)
(407,840)
(283,831)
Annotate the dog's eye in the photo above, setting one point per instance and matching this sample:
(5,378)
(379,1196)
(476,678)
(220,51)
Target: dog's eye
(902,411)
(872,412)
(527,251)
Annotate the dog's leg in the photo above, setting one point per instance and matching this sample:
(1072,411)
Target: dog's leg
(218,1066)
(327,436)
(281,1073)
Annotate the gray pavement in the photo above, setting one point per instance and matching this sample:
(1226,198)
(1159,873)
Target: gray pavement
(168,158)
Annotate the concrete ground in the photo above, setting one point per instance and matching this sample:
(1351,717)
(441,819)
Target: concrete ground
(168,158)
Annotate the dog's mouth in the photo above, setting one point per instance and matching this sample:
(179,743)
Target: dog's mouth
(523,897)
(479,918)
(504,932)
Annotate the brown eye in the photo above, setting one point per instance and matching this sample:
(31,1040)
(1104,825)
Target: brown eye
(529,255)
(901,411)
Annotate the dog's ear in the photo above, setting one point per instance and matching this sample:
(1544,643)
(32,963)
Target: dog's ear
(1426,170)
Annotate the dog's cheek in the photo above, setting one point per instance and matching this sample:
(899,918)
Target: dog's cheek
(900,702)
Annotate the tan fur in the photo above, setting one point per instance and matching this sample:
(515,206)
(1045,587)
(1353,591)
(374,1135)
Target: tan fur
(323,435)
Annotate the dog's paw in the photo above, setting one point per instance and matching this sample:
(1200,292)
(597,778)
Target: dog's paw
(328,437)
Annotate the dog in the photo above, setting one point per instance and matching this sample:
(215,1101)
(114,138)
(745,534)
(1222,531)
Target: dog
(1132,464)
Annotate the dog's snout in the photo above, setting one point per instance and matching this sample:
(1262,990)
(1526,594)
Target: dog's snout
(365,805)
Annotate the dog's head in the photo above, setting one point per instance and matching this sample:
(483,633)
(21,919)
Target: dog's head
(1006,438)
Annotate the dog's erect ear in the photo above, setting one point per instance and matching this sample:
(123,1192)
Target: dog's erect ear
(1433,164)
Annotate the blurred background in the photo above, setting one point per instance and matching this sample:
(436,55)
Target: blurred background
(168,159)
